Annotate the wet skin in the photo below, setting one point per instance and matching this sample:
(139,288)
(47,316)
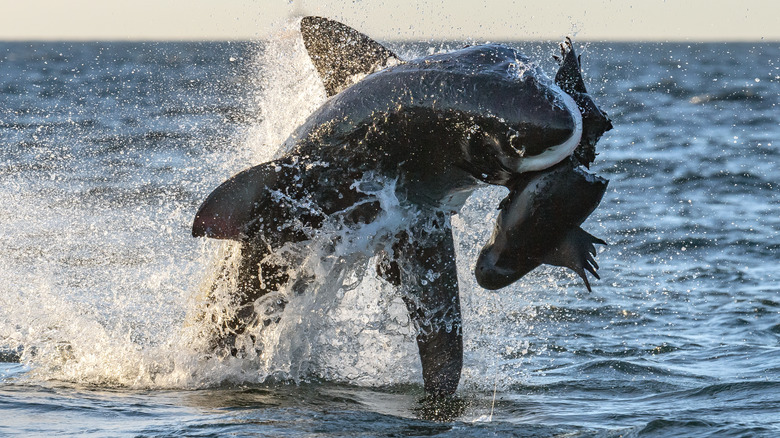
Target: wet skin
(539,223)
(439,127)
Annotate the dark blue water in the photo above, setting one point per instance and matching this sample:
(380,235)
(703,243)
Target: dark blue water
(107,149)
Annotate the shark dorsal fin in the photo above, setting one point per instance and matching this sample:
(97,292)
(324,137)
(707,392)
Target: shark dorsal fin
(340,52)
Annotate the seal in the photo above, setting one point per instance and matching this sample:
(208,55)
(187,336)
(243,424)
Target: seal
(539,223)
(437,128)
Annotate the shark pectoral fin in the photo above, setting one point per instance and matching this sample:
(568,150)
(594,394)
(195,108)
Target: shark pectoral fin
(229,211)
(430,280)
(576,251)
(339,52)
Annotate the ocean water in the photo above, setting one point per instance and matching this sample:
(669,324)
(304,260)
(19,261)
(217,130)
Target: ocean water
(107,149)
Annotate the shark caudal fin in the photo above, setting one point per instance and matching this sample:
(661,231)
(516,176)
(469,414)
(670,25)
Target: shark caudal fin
(232,210)
(340,52)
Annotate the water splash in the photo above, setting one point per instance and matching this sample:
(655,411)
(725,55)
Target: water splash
(106,287)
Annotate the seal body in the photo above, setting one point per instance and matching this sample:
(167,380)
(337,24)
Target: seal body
(539,223)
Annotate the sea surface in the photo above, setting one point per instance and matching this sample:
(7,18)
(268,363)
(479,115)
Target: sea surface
(108,148)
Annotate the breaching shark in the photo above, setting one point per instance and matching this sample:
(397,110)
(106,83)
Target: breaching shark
(438,127)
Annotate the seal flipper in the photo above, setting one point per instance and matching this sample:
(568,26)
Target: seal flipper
(339,52)
(575,251)
(427,269)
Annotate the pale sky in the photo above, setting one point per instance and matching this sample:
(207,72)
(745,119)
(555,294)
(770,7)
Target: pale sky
(664,20)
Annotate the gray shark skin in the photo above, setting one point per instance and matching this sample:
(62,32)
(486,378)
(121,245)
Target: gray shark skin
(439,126)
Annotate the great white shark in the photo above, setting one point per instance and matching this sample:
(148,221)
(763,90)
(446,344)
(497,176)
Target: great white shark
(438,127)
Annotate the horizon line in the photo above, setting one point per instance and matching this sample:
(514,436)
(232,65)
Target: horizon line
(395,40)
